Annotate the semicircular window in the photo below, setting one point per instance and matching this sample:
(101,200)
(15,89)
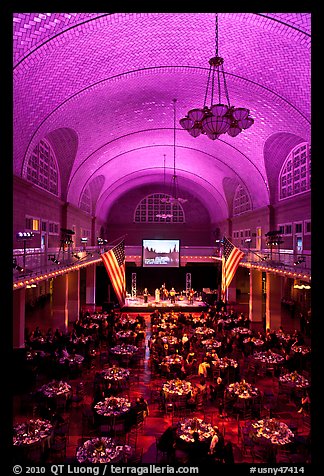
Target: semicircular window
(295,175)
(85,202)
(159,208)
(42,169)
(241,202)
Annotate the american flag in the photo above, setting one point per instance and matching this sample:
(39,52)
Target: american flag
(230,261)
(114,261)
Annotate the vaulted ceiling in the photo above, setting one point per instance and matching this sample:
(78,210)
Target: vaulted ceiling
(100,87)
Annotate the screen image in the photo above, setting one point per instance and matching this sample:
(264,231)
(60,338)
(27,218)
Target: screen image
(161,253)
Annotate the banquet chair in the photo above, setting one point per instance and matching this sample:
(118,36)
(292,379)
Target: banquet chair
(60,403)
(34,454)
(283,455)
(136,458)
(132,438)
(159,451)
(57,451)
(262,454)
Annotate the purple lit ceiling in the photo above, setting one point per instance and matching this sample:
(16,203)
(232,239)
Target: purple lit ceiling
(100,86)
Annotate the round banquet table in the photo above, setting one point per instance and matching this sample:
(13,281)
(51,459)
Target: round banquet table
(56,390)
(268,358)
(187,427)
(126,335)
(204,331)
(225,363)
(124,350)
(241,330)
(270,430)
(112,407)
(300,349)
(243,390)
(254,340)
(172,360)
(102,450)
(118,377)
(170,340)
(127,320)
(32,437)
(211,343)
(295,380)
(71,359)
(176,388)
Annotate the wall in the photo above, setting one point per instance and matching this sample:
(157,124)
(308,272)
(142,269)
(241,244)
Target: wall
(292,210)
(32,201)
(196,230)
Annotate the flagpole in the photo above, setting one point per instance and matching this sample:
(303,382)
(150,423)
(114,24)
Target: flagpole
(225,288)
(117,239)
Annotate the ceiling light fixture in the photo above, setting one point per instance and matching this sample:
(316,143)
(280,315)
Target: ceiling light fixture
(220,117)
(174,184)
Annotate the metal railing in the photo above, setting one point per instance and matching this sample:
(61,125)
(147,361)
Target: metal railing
(37,261)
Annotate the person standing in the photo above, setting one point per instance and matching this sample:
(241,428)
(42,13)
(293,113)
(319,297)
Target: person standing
(145,295)
(172,295)
(157,295)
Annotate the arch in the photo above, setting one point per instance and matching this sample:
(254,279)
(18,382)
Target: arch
(41,168)
(276,149)
(159,208)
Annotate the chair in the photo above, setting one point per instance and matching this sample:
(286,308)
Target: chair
(159,450)
(132,438)
(283,455)
(246,445)
(136,458)
(139,421)
(58,448)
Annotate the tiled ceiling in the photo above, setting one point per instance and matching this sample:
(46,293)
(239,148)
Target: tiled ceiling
(110,80)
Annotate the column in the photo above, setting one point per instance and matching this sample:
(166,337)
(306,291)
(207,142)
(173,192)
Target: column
(91,286)
(231,291)
(19,318)
(74,295)
(60,313)
(255,301)
(273,301)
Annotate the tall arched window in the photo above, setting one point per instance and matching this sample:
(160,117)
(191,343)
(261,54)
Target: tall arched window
(42,169)
(295,175)
(85,202)
(241,202)
(158,208)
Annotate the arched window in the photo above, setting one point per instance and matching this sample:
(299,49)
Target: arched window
(158,208)
(42,168)
(85,202)
(241,202)
(295,175)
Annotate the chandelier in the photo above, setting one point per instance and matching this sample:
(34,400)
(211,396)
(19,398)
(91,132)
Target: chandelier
(220,117)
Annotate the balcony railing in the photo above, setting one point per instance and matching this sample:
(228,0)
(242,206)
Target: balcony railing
(38,262)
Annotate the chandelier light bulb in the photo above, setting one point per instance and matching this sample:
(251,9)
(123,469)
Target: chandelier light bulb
(220,117)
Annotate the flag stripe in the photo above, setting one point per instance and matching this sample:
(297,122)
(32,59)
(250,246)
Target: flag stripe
(114,262)
(230,261)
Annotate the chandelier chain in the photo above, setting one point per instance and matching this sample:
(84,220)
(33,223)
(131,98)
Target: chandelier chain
(216,34)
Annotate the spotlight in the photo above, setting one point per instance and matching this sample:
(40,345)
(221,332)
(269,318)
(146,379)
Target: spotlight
(19,268)
(101,241)
(55,260)
(299,260)
(24,235)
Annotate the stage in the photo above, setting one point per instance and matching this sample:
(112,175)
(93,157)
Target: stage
(183,304)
